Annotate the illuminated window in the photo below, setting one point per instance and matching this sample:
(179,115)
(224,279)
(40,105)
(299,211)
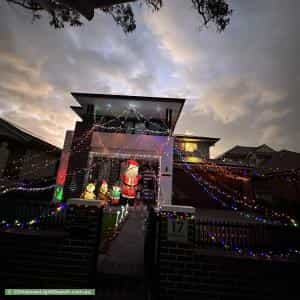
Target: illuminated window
(190,147)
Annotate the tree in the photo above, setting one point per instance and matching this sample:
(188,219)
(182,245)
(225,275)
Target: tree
(63,12)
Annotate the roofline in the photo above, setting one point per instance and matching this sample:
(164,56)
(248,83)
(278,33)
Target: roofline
(253,148)
(194,137)
(178,115)
(127,97)
(31,137)
(143,98)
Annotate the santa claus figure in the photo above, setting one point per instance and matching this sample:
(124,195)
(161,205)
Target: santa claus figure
(130,179)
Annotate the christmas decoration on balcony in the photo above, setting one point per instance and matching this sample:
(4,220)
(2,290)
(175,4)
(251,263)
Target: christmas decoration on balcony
(115,194)
(58,193)
(103,194)
(130,179)
(88,193)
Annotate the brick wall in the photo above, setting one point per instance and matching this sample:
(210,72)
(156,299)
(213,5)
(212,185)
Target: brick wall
(56,258)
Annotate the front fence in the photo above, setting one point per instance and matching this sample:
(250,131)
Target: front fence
(43,258)
(210,233)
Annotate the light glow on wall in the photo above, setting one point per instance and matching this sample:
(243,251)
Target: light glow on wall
(190,147)
(193,159)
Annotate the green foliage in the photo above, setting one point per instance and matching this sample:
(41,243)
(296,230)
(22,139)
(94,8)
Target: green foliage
(63,12)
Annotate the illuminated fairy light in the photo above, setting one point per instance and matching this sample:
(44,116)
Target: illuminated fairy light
(138,114)
(27,189)
(28,158)
(236,249)
(269,254)
(211,190)
(34,221)
(47,161)
(33,170)
(76,147)
(247,205)
(176,215)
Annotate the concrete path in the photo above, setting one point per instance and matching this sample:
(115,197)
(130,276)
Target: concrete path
(126,253)
(121,271)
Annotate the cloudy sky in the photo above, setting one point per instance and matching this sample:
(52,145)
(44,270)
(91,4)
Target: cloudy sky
(241,85)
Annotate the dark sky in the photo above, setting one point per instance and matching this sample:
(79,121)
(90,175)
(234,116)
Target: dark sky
(241,85)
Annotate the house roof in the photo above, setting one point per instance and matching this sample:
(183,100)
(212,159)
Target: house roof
(193,138)
(281,161)
(246,150)
(115,105)
(25,136)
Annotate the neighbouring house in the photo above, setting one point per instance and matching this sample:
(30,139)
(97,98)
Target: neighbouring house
(192,149)
(246,156)
(275,175)
(24,156)
(278,181)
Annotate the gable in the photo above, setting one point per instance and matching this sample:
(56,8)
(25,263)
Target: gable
(264,148)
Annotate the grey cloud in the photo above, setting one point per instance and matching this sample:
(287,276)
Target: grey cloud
(246,78)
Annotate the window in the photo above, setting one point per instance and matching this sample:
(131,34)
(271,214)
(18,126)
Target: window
(190,147)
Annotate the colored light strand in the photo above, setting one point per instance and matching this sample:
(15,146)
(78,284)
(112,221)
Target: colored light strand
(269,254)
(24,189)
(33,222)
(212,190)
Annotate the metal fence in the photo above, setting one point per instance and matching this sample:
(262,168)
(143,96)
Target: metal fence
(245,235)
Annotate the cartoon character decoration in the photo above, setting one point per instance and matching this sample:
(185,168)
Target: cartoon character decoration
(58,193)
(103,191)
(130,179)
(115,195)
(89,194)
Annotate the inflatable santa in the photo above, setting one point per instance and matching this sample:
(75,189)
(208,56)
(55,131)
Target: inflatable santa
(130,179)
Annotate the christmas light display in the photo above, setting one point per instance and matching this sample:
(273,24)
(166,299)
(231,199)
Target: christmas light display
(58,193)
(130,179)
(32,189)
(34,222)
(47,162)
(176,215)
(115,195)
(268,254)
(34,168)
(88,193)
(233,248)
(235,204)
(103,192)
(229,200)
(76,148)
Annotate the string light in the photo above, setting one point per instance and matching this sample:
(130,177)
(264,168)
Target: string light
(269,254)
(36,221)
(32,189)
(176,215)
(235,205)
